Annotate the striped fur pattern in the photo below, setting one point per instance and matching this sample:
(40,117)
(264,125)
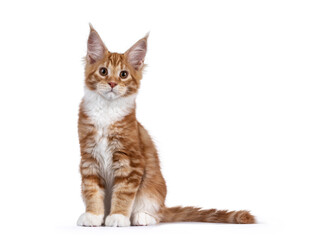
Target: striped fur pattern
(122,184)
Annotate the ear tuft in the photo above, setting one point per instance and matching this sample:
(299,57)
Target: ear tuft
(96,49)
(136,54)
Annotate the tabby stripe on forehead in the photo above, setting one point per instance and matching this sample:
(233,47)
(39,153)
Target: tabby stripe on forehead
(115,59)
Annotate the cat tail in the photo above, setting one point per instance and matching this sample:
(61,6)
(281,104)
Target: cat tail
(193,214)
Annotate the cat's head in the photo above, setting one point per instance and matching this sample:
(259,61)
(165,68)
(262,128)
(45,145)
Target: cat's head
(113,75)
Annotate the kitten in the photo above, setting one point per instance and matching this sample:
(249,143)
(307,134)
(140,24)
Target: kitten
(122,184)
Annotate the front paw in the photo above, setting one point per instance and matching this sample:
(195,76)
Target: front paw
(90,220)
(117,220)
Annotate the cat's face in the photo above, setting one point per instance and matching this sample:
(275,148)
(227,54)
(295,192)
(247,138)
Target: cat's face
(113,75)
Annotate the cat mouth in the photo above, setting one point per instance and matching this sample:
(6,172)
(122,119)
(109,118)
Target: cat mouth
(111,91)
(109,95)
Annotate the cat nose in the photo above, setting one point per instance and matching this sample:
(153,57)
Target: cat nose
(112,84)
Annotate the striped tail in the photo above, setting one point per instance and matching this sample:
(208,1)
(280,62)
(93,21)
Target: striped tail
(192,214)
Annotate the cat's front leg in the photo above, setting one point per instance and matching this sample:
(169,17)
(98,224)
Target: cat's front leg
(127,178)
(93,193)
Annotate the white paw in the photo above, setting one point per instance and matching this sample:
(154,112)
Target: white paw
(90,220)
(143,219)
(117,220)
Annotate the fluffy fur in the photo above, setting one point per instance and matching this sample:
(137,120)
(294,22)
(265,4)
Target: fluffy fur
(121,179)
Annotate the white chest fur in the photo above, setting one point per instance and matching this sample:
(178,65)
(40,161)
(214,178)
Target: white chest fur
(102,114)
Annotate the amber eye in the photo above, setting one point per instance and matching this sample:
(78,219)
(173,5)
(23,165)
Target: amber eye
(124,74)
(103,71)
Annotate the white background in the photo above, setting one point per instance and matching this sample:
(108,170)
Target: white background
(227,96)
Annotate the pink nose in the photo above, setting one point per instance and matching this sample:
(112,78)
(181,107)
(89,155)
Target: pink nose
(112,84)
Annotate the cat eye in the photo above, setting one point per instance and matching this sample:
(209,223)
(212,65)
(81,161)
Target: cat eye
(103,71)
(124,74)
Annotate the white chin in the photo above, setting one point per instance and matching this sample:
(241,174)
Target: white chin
(110,95)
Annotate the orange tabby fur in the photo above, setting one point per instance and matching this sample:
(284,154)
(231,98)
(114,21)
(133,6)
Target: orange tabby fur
(121,179)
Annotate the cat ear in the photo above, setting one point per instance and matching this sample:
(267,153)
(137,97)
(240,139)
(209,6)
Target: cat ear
(96,49)
(136,54)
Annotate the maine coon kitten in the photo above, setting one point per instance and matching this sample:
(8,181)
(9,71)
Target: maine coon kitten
(122,184)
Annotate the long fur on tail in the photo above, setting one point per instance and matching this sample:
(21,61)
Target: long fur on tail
(192,214)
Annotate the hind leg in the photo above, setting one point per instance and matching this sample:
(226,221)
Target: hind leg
(145,211)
